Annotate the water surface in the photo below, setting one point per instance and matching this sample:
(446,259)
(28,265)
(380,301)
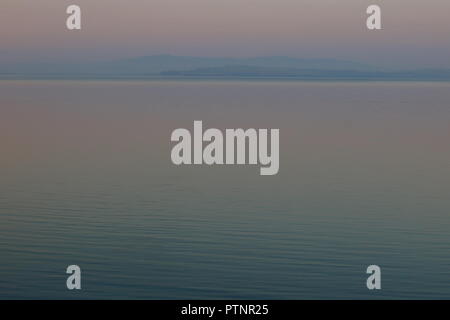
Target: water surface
(86,179)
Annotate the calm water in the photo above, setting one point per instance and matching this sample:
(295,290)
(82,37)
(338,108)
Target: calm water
(86,179)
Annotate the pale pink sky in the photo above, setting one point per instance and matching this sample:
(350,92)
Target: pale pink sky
(415,32)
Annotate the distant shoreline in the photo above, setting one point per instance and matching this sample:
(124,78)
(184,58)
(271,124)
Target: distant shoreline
(86,77)
(270,68)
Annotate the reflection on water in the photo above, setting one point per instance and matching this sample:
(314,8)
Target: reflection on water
(86,179)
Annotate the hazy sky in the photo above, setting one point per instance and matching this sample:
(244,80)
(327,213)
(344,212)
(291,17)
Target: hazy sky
(416,33)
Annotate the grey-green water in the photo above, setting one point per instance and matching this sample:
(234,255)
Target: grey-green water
(86,179)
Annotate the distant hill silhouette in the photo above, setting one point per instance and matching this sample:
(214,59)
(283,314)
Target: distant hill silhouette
(159,63)
(183,66)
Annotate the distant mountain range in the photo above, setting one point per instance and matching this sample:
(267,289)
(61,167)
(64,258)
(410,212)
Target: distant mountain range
(162,63)
(169,66)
